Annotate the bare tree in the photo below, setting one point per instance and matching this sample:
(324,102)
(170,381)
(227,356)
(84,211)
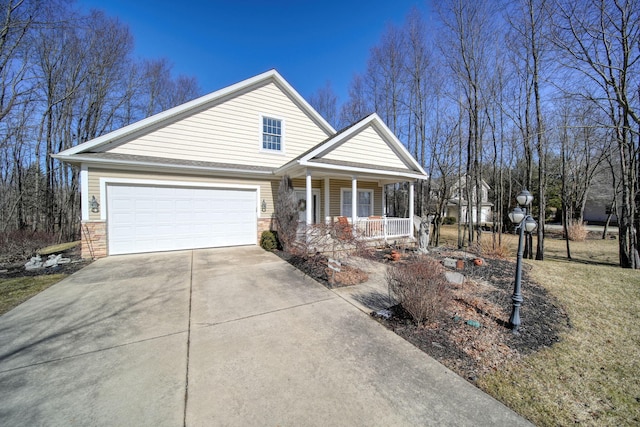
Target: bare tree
(358,105)
(19,17)
(286,214)
(418,69)
(65,78)
(325,102)
(600,40)
(467,47)
(184,88)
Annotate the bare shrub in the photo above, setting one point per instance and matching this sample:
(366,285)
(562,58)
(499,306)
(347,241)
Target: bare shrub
(331,239)
(18,246)
(420,287)
(286,214)
(492,248)
(577,231)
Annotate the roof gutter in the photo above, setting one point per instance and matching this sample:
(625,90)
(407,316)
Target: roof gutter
(356,170)
(79,159)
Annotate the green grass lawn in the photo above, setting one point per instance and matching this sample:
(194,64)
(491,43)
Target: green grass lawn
(592,376)
(14,292)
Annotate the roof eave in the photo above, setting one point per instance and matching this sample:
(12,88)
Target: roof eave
(79,159)
(367,171)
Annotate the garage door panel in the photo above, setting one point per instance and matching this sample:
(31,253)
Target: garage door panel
(157,218)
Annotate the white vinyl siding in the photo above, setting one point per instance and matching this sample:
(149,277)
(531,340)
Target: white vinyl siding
(369,147)
(229,131)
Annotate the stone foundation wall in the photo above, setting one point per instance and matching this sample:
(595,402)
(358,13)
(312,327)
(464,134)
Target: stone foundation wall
(94,239)
(264,224)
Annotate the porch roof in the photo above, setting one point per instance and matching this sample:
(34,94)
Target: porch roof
(331,168)
(315,158)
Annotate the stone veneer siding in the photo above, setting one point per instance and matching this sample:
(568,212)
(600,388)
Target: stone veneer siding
(264,224)
(94,239)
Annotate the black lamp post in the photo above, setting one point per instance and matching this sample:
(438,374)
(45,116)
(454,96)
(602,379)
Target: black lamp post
(524,223)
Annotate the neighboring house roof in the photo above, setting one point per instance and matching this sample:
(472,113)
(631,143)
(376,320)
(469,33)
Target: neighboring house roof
(455,202)
(463,184)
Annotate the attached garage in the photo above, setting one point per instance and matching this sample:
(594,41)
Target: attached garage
(151,218)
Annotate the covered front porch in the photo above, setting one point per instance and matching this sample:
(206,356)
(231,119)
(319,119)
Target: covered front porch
(342,180)
(356,203)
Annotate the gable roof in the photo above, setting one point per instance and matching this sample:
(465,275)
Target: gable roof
(199,104)
(315,155)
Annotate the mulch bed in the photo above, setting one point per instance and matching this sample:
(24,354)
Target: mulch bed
(473,337)
(317,266)
(485,297)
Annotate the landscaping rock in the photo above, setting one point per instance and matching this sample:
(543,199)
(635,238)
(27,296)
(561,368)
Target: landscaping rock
(34,263)
(454,278)
(449,262)
(52,261)
(473,323)
(384,314)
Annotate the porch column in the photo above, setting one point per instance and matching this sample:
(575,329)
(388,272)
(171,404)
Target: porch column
(354,201)
(411,185)
(384,200)
(309,197)
(327,204)
(84,191)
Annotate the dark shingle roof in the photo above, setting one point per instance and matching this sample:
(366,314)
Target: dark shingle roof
(129,158)
(360,165)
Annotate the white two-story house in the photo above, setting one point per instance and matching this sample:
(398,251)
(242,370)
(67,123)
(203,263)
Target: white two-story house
(458,207)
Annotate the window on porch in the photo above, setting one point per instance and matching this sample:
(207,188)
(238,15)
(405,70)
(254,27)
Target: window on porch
(365,203)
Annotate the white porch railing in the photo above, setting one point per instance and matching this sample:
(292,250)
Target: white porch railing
(384,228)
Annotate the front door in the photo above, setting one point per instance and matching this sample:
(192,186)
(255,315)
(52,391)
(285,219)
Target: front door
(303,206)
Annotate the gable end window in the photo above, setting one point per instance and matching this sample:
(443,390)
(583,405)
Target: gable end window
(271,134)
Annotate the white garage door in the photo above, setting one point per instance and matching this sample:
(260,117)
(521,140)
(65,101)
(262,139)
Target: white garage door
(156,218)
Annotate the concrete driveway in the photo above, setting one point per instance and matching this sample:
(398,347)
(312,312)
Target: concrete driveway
(230,336)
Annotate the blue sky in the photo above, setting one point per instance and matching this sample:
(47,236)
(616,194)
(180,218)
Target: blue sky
(223,42)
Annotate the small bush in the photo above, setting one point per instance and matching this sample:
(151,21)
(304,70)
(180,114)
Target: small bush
(577,231)
(449,220)
(421,288)
(269,240)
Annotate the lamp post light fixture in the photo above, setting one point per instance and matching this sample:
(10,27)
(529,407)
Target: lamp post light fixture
(524,223)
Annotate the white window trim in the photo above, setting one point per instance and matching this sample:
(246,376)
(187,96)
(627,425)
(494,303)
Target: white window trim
(282,150)
(343,189)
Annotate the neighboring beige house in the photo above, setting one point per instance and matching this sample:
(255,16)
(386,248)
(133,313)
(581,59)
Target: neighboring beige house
(458,204)
(206,173)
